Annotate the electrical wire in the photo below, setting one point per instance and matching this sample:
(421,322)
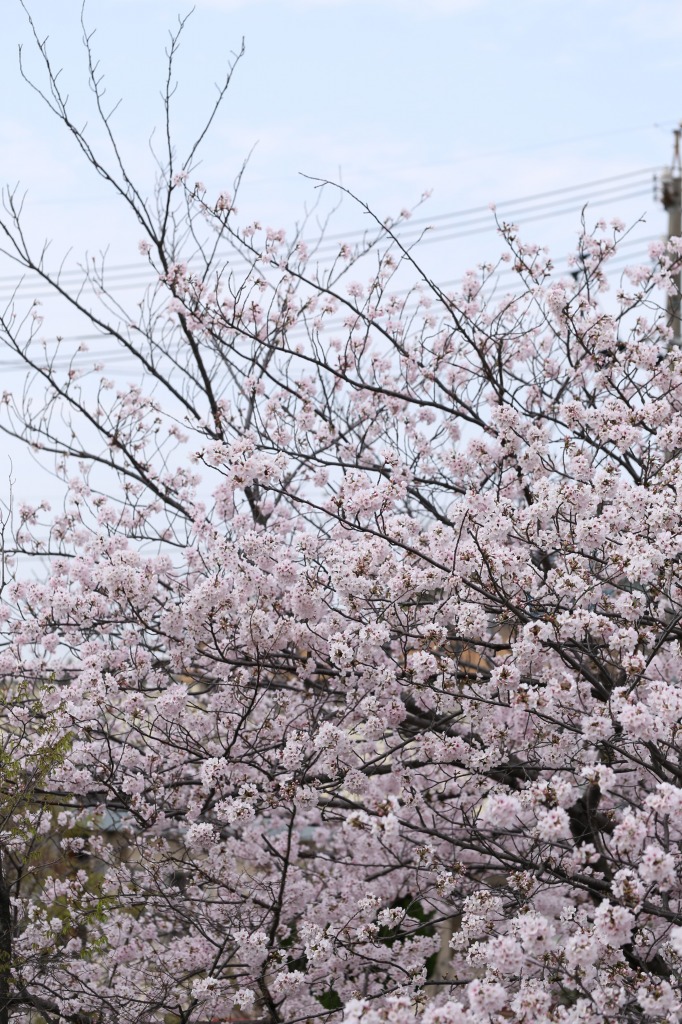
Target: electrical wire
(423,236)
(413,223)
(117,359)
(532,207)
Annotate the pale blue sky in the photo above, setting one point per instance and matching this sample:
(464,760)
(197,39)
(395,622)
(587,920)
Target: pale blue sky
(478,99)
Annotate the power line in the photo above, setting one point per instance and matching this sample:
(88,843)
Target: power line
(476,226)
(425,221)
(117,357)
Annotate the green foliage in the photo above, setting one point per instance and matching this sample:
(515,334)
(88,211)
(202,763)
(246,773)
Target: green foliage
(330,1000)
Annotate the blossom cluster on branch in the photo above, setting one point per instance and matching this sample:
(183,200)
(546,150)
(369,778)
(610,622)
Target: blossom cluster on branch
(353,686)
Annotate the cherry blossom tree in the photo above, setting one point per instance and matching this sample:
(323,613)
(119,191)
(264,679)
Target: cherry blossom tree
(353,685)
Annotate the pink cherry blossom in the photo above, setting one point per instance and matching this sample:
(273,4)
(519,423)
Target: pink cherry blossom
(346,680)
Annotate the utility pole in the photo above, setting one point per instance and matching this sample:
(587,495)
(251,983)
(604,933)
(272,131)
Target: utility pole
(671,195)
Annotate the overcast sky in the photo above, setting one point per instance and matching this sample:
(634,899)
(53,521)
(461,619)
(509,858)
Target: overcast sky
(479,100)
